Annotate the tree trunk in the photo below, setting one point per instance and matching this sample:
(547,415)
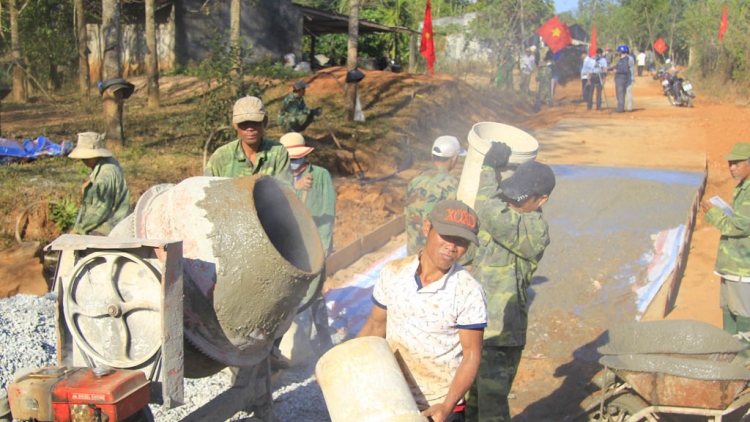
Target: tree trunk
(83,60)
(235,33)
(19,78)
(152,59)
(351,59)
(111,69)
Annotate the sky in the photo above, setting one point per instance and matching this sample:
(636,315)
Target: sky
(565,5)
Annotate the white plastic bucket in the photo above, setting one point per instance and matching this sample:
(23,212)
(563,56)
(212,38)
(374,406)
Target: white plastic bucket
(523,146)
(361,381)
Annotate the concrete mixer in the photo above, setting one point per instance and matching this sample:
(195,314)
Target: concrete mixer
(203,275)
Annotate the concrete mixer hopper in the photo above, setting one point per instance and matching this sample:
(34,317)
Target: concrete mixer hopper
(224,262)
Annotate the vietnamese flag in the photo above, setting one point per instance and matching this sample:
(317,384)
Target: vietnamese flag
(659,46)
(555,34)
(723,25)
(427,46)
(592,47)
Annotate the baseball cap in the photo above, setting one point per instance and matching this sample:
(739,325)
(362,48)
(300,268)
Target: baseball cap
(447,146)
(740,151)
(451,217)
(300,84)
(295,145)
(531,178)
(90,145)
(248,109)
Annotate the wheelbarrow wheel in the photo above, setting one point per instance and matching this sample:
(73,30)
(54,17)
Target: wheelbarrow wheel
(618,409)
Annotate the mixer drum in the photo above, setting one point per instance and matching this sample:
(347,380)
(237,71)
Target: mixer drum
(250,251)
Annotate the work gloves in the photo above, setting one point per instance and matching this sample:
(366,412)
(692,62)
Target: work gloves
(497,156)
(317,111)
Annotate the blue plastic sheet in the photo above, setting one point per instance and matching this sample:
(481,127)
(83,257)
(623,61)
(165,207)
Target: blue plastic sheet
(12,151)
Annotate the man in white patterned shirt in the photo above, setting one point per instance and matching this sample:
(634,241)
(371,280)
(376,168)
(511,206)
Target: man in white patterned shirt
(435,313)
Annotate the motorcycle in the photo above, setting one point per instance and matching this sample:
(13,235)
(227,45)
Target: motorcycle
(679,91)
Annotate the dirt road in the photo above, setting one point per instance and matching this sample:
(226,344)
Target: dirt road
(657,136)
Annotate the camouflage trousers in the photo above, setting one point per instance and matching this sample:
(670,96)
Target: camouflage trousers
(488,396)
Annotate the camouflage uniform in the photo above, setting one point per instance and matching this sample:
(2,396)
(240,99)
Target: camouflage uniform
(511,244)
(733,259)
(544,90)
(294,115)
(424,191)
(230,161)
(106,199)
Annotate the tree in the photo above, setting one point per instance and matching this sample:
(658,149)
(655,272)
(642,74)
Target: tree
(351,59)
(83,60)
(19,79)
(152,60)
(111,69)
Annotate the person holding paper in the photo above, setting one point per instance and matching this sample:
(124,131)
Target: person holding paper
(733,257)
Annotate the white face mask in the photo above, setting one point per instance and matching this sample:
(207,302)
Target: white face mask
(296,163)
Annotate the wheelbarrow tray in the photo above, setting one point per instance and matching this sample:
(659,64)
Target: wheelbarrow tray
(677,338)
(673,381)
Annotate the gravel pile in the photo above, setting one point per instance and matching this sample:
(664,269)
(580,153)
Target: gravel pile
(27,340)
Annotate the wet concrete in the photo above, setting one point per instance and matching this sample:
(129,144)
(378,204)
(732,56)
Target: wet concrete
(687,337)
(681,367)
(601,224)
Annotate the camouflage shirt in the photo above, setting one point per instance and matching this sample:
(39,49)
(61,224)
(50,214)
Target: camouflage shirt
(321,202)
(293,112)
(544,77)
(106,199)
(733,257)
(424,191)
(511,244)
(230,161)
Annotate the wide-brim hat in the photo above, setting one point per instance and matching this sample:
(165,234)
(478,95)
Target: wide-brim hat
(90,145)
(295,145)
(740,151)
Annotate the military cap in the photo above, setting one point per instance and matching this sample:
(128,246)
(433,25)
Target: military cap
(300,85)
(740,151)
(248,109)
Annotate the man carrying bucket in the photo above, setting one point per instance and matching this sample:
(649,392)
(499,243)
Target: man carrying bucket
(732,259)
(512,240)
(430,187)
(433,313)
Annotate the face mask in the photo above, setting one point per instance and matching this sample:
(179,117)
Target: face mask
(296,163)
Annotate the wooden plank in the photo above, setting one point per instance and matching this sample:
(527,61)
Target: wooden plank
(344,257)
(383,234)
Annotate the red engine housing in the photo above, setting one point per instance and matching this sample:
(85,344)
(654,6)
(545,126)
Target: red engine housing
(67,394)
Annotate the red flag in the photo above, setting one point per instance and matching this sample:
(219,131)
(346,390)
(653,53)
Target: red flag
(427,46)
(556,35)
(592,47)
(723,26)
(659,46)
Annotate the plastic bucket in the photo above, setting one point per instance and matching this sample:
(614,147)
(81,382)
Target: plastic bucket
(524,148)
(362,381)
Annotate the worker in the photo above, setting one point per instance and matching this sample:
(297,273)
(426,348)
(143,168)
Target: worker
(732,263)
(314,186)
(622,77)
(527,64)
(294,115)
(432,312)
(430,187)
(251,153)
(106,197)
(512,240)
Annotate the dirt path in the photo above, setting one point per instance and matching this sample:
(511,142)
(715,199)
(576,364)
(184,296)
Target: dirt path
(655,135)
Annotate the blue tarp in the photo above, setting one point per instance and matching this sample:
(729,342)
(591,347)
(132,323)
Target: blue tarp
(12,151)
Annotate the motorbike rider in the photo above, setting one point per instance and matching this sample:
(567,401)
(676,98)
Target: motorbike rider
(675,82)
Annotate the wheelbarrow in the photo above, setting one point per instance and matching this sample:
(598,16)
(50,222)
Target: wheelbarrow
(661,368)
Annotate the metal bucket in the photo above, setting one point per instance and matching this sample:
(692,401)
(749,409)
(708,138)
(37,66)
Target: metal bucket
(250,250)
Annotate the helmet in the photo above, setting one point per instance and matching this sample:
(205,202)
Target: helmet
(622,48)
